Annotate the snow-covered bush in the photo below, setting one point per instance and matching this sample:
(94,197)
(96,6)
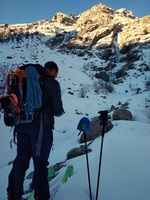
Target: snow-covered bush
(83,90)
(101,86)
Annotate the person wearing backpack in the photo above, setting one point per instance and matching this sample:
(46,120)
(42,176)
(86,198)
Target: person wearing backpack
(35,139)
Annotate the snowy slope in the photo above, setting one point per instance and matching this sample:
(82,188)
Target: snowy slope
(125,173)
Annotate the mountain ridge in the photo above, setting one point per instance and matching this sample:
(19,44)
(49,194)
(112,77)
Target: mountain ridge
(92,29)
(111,45)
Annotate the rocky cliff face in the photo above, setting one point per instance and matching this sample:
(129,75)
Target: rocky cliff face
(113,36)
(94,28)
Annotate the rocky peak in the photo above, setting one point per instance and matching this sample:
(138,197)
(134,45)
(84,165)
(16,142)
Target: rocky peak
(126,13)
(63,18)
(103,15)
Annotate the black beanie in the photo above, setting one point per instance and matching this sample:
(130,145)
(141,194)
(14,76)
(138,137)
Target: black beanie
(51,65)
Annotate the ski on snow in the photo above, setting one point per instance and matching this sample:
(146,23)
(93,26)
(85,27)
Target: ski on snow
(68,173)
(52,174)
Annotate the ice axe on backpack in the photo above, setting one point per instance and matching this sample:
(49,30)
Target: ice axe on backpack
(9,106)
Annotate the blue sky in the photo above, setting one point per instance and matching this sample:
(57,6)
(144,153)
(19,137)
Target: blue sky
(19,11)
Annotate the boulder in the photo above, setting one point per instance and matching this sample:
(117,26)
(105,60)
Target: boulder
(122,114)
(77,151)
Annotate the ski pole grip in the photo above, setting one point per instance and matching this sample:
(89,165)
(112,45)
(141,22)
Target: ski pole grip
(103,117)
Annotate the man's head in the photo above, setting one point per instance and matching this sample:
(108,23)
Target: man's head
(52,68)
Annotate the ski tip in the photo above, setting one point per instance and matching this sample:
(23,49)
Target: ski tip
(68,173)
(51,171)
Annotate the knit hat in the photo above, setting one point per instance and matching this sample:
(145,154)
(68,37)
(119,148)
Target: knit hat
(51,66)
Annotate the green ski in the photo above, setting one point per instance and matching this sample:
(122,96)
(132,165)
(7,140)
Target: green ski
(68,173)
(31,196)
(51,173)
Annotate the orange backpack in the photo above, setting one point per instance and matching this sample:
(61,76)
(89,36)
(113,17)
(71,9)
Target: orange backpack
(24,94)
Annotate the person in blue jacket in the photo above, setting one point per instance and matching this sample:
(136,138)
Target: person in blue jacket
(29,142)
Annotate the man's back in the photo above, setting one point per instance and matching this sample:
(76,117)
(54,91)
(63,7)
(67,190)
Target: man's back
(52,103)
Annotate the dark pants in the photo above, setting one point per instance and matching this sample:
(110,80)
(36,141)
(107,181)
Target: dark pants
(27,136)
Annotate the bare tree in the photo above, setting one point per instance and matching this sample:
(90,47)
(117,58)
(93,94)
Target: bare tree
(83,90)
(147,107)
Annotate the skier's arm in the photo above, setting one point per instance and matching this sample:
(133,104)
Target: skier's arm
(57,105)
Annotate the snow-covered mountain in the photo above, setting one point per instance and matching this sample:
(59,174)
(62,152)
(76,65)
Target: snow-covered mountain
(114,41)
(100,46)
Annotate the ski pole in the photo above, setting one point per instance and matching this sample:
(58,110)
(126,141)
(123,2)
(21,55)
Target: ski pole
(84,126)
(103,121)
(88,169)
